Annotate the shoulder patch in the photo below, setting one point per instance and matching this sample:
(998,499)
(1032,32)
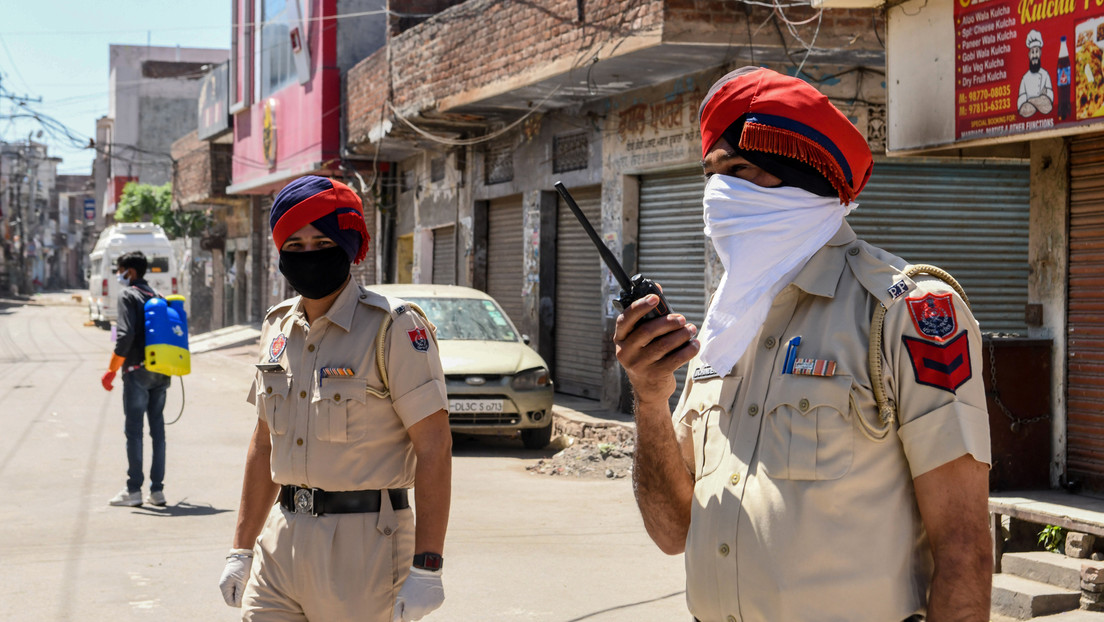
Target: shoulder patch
(419,339)
(399,310)
(276,347)
(943,366)
(933,315)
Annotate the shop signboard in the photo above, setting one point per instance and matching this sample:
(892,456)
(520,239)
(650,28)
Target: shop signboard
(1024,66)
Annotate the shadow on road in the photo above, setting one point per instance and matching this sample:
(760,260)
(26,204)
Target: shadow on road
(495,446)
(183,508)
(628,606)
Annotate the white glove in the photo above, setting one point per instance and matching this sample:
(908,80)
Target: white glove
(421,593)
(234,575)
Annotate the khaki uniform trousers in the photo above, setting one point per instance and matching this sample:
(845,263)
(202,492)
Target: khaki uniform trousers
(329,568)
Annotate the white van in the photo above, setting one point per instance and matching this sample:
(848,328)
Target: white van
(115,241)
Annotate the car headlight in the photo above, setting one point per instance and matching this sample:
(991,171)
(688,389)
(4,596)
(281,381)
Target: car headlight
(536,378)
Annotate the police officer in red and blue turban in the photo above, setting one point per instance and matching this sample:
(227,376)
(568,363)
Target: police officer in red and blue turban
(325,530)
(828,458)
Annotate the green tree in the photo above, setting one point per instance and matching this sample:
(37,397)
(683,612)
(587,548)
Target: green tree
(149,203)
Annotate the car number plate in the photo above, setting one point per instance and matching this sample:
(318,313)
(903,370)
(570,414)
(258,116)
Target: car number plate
(475,406)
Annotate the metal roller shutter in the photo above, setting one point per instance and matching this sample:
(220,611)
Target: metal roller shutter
(578,331)
(504,255)
(672,243)
(1085,372)
(444,255)
(969,219)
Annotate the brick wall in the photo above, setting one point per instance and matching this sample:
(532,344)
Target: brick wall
(482,42)
(201,171)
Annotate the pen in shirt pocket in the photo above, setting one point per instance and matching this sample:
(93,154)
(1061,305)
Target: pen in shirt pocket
(791,355)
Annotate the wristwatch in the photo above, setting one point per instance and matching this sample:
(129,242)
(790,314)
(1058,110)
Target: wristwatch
(429,561)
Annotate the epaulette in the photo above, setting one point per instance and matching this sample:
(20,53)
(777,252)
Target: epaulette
(880,273)
(282,305)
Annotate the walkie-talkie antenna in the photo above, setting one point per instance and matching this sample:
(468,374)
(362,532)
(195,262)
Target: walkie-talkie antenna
(607,255)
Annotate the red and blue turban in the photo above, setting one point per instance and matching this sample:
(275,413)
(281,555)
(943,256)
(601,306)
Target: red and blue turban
(789,129)
(331,206)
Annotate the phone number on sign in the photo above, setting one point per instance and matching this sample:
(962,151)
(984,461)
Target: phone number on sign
(996,105)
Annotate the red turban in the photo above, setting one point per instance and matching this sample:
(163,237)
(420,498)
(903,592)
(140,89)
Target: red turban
(786,116)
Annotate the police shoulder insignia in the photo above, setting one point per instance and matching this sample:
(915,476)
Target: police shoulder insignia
(399,310)
(704,372)
(276,347)
(900,288)
(933,315)
(943,366)
(418,339)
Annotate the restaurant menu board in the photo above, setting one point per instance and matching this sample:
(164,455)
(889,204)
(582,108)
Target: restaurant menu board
(1027,65)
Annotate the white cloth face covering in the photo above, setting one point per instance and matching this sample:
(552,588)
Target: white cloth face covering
(764,237)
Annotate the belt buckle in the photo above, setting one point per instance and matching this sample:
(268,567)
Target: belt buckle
(303,501)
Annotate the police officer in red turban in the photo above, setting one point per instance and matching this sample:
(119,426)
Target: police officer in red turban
(828,458)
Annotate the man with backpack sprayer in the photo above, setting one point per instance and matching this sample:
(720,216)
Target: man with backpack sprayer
(143,390)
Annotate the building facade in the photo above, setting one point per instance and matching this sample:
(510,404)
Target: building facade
(1027,84)
(482,108)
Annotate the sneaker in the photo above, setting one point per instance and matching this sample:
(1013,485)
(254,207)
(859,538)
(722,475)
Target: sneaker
(156,498)
(127,498)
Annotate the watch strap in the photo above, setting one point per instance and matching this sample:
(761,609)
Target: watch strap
(429,561)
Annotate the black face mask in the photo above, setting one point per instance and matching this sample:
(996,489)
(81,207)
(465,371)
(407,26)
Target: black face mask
(315,274)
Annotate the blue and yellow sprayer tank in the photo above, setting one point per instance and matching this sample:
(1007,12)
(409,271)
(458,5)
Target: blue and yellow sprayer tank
(167,336)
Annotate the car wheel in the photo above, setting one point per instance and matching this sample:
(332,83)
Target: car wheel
(537,438)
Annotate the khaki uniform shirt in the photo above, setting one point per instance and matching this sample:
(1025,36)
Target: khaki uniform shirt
(329,432)
(797,514)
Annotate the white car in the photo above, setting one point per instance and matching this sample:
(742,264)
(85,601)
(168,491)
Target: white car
(496,382)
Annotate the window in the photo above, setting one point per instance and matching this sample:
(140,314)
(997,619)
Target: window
(498,166)
(437,169)
(570,152)
(277,65)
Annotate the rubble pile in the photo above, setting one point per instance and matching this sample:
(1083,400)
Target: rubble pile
(585,459)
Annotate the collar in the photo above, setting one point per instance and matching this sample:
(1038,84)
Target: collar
(821,273)
(344,306)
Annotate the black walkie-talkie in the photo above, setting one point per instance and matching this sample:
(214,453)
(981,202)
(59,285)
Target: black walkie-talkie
(631,289)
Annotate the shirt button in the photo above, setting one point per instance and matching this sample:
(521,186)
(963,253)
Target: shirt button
(386,531)
(298,441)
(268,389)
(771,342)
(310,348)
(302,394)
(730,619)
(723,550)
(803,404)
(735,479)
(337,397)
(753,410)
(853,252)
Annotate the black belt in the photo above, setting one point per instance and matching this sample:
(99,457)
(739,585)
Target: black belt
(316,502)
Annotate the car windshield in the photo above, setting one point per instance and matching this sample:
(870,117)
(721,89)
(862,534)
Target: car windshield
(467,319)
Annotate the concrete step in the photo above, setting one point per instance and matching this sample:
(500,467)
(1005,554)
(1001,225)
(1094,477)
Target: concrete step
(1024,599)
(1077,615)
(1045,567)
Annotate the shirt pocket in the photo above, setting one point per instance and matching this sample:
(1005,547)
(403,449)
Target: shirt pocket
(708,405)
(338,406)
(272,400)
(808,434)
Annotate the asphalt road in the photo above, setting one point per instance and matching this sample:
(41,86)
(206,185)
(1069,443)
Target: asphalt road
(520,546)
